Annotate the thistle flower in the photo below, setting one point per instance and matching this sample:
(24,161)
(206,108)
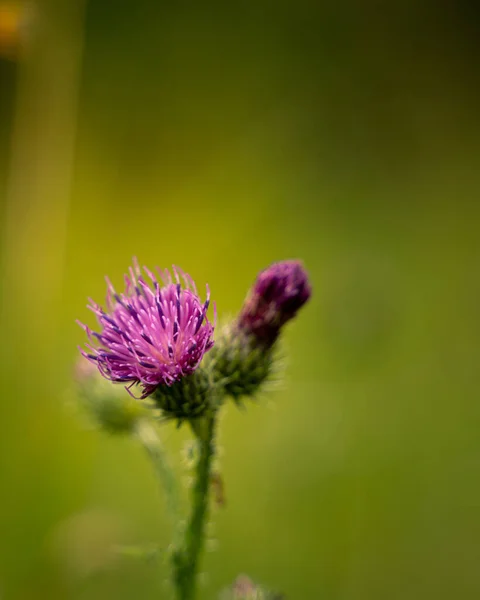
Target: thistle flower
(278,293)
(150,337)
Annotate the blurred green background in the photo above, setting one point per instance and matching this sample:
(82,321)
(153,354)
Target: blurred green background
(221,137)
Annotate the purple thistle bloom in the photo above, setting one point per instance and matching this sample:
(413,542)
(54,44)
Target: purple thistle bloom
(278,293)
(150,337)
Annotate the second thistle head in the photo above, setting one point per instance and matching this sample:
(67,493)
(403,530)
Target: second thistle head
(245,357)
(277,294)
(151,335)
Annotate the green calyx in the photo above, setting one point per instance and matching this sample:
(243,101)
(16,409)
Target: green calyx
(240,365)
(189,398)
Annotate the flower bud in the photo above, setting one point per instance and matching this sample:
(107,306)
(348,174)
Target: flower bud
(243,588)
(278,293)
(109,406)
(245,356)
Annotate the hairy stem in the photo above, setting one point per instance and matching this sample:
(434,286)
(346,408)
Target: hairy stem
(186,559)
(148,436)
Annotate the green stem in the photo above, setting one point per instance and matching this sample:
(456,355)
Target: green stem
(147,434)
(186,559)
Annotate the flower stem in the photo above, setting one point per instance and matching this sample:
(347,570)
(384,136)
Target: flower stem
(148,436)
(186,559)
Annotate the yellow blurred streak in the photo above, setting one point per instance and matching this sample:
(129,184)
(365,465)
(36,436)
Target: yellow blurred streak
(39,178)
(12,27)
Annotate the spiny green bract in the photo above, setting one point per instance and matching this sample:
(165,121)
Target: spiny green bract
(189,398)
(239,366)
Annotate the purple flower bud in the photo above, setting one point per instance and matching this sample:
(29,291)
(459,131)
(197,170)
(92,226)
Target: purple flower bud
(243,588)
(278,293)
(150,336)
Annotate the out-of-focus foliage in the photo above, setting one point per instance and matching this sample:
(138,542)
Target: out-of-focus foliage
(222,137)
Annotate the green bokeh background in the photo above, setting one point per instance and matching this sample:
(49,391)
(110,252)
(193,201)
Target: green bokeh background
(221,137)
